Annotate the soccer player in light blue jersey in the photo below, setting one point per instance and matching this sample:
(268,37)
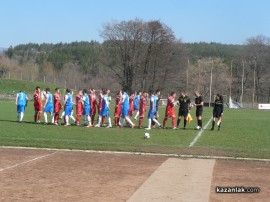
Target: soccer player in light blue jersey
(125,108)
(105,110)
(48,107)
(152,111)
(68,106)
(137,104)
(21,102)
(86,109)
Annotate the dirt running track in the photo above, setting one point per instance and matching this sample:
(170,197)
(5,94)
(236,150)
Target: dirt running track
(48,175)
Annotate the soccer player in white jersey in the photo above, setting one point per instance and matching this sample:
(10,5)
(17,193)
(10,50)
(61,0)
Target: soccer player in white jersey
(21,102)
(125,108)
(105,110)
(152,111)
(86,109)
(48,106)
(68,106)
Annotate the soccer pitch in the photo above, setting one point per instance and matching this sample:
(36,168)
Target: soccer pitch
(244,133)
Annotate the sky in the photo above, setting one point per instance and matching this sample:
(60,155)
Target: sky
(55,21)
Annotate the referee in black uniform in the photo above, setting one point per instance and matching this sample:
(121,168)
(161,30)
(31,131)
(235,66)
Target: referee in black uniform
(199,108)
(184,106)
(218,111)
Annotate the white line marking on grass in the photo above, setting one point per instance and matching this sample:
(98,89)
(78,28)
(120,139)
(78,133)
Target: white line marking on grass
(140,153)
(25,162)
(199,134)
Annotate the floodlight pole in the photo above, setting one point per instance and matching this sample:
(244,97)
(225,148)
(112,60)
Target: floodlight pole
(199,79)
(231,80)
(242,90)
(254,82)
(211,79)
(187,76)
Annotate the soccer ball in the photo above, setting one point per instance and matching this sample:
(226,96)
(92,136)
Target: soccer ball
(146,135)
(198,127)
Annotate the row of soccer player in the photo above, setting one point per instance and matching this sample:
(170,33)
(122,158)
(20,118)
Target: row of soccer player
(125,106)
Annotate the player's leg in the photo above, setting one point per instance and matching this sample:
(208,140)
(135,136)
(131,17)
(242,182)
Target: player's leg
(92,119)
(39,116)
(52,114)
(156,121)
(35,116)
(164,122)
(174,122)
(56,117)
(67,115)
(18,113)
(129,121)
(62,115)
(121,121)
(67,120)
(185,118)
(110,122)
(213,122)
(180,114)
(21,112)
(140,122)
(178,121)
(21,116)
(89,121)
(219,121)
(149,123)
(137,114)
(99,121)
(45,117)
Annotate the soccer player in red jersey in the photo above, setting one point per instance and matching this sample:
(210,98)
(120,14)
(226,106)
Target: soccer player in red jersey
(170,110)
(37,105)
(131,104)
(79,107)
(57,105)
(93,100)
(142,108)
(118,107)
(100,106)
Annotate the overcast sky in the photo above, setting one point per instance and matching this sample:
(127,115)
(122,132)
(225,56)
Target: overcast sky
(54,21)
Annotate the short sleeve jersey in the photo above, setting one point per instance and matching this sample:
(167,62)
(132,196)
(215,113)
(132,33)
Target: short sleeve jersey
(199,100)
(184,102)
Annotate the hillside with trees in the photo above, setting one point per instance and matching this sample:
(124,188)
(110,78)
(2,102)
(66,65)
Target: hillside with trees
(143,55)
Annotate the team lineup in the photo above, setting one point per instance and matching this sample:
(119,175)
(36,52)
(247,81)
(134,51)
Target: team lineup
(88,104)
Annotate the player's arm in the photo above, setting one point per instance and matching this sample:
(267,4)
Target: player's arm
(16,102)
(122,99)
(65,100)
(152,101)
(222,108)
(46,100)
(189,104)
(26,101)
(175,102)
(200,104)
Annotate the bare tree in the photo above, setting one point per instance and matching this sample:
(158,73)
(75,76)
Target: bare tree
(141,55)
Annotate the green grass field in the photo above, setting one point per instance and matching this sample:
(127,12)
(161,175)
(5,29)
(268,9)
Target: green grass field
(244,133)
(11,86)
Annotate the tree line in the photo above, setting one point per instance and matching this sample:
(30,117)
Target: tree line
(146,55)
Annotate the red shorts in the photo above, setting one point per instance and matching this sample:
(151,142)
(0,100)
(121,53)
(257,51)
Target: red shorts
(170,114)
(93,110)
(79,110)
(57,108)
(38,107)
(130,112)
(142,112)
(117,111)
